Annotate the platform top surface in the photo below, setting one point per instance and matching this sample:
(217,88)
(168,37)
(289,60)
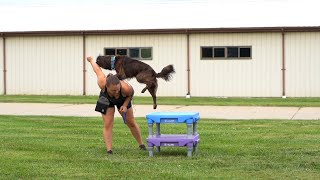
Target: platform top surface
(191,114)
(178,116)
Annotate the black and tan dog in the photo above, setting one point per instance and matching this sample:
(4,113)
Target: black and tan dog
(127,67)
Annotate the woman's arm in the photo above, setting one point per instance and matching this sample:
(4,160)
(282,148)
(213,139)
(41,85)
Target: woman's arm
(101,78)
(128,92)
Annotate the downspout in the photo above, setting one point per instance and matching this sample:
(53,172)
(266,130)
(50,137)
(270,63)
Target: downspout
(283,66)
(84,63)
(4,66)
(188,63)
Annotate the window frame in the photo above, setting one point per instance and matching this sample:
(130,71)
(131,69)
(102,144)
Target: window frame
(128,52)
(220,47)
(228,48)
(250,52)
(206,58)
(225,53)
(140,53)
(129,49)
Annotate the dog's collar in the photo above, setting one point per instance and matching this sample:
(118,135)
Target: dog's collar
(113,59)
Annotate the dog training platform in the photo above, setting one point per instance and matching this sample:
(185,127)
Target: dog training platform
(190,140)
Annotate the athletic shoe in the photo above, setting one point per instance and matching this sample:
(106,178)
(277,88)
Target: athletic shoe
(143,147)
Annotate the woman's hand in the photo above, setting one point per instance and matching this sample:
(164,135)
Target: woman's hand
(89,59)
(123,109)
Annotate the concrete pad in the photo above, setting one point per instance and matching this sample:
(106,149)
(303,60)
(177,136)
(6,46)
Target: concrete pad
(26,108)
(312,113)
(243,112)
(212,112)
(143,110)
(70,109)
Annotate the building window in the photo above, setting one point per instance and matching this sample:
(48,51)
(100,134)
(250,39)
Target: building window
(142,53)
(219,52)
(245,52)
(134,52)
(232,52)
(122,52)
(146,53)
(206,52)
(226,52)
(110,51)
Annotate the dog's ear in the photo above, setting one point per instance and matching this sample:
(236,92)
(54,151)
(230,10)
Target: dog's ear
(98,61)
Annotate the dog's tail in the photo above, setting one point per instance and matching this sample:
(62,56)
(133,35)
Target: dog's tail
(166,73)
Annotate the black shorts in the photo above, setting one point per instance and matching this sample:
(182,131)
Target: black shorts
(119,105)
(103,103)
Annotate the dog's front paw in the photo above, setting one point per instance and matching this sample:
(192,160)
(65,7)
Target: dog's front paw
(155,106)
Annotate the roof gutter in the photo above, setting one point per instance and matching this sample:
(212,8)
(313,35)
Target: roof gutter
(188,64)
(84,65)
(165,31)
(4,65)
(283,65)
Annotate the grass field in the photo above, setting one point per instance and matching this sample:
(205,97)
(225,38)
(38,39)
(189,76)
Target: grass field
(211,101)
(44,147)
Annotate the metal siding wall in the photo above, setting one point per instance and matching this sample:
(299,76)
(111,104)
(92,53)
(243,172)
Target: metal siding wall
(44,65)
(53,65)
(1,67)
(303,64)
(167,49)
(259,77)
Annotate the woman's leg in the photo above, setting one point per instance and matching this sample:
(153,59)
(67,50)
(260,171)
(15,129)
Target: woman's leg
(108,120)
(133,126)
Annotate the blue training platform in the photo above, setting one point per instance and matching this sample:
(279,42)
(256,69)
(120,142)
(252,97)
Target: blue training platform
(190,140)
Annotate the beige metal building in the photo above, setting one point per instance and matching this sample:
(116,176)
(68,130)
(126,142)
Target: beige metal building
(215,62)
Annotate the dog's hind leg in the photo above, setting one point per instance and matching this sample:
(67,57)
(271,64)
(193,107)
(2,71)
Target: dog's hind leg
(153,90)
(146,79)
(151,85)
(147,87)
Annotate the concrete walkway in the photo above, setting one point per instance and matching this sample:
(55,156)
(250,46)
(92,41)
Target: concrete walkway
(214,112)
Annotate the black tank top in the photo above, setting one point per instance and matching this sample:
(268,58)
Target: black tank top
(119,100)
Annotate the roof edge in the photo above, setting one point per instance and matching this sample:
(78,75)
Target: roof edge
(164,31)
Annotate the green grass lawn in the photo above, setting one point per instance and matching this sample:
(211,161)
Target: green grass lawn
(211,101)
(44,147)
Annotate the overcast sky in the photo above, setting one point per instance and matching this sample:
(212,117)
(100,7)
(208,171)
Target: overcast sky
(42,15)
